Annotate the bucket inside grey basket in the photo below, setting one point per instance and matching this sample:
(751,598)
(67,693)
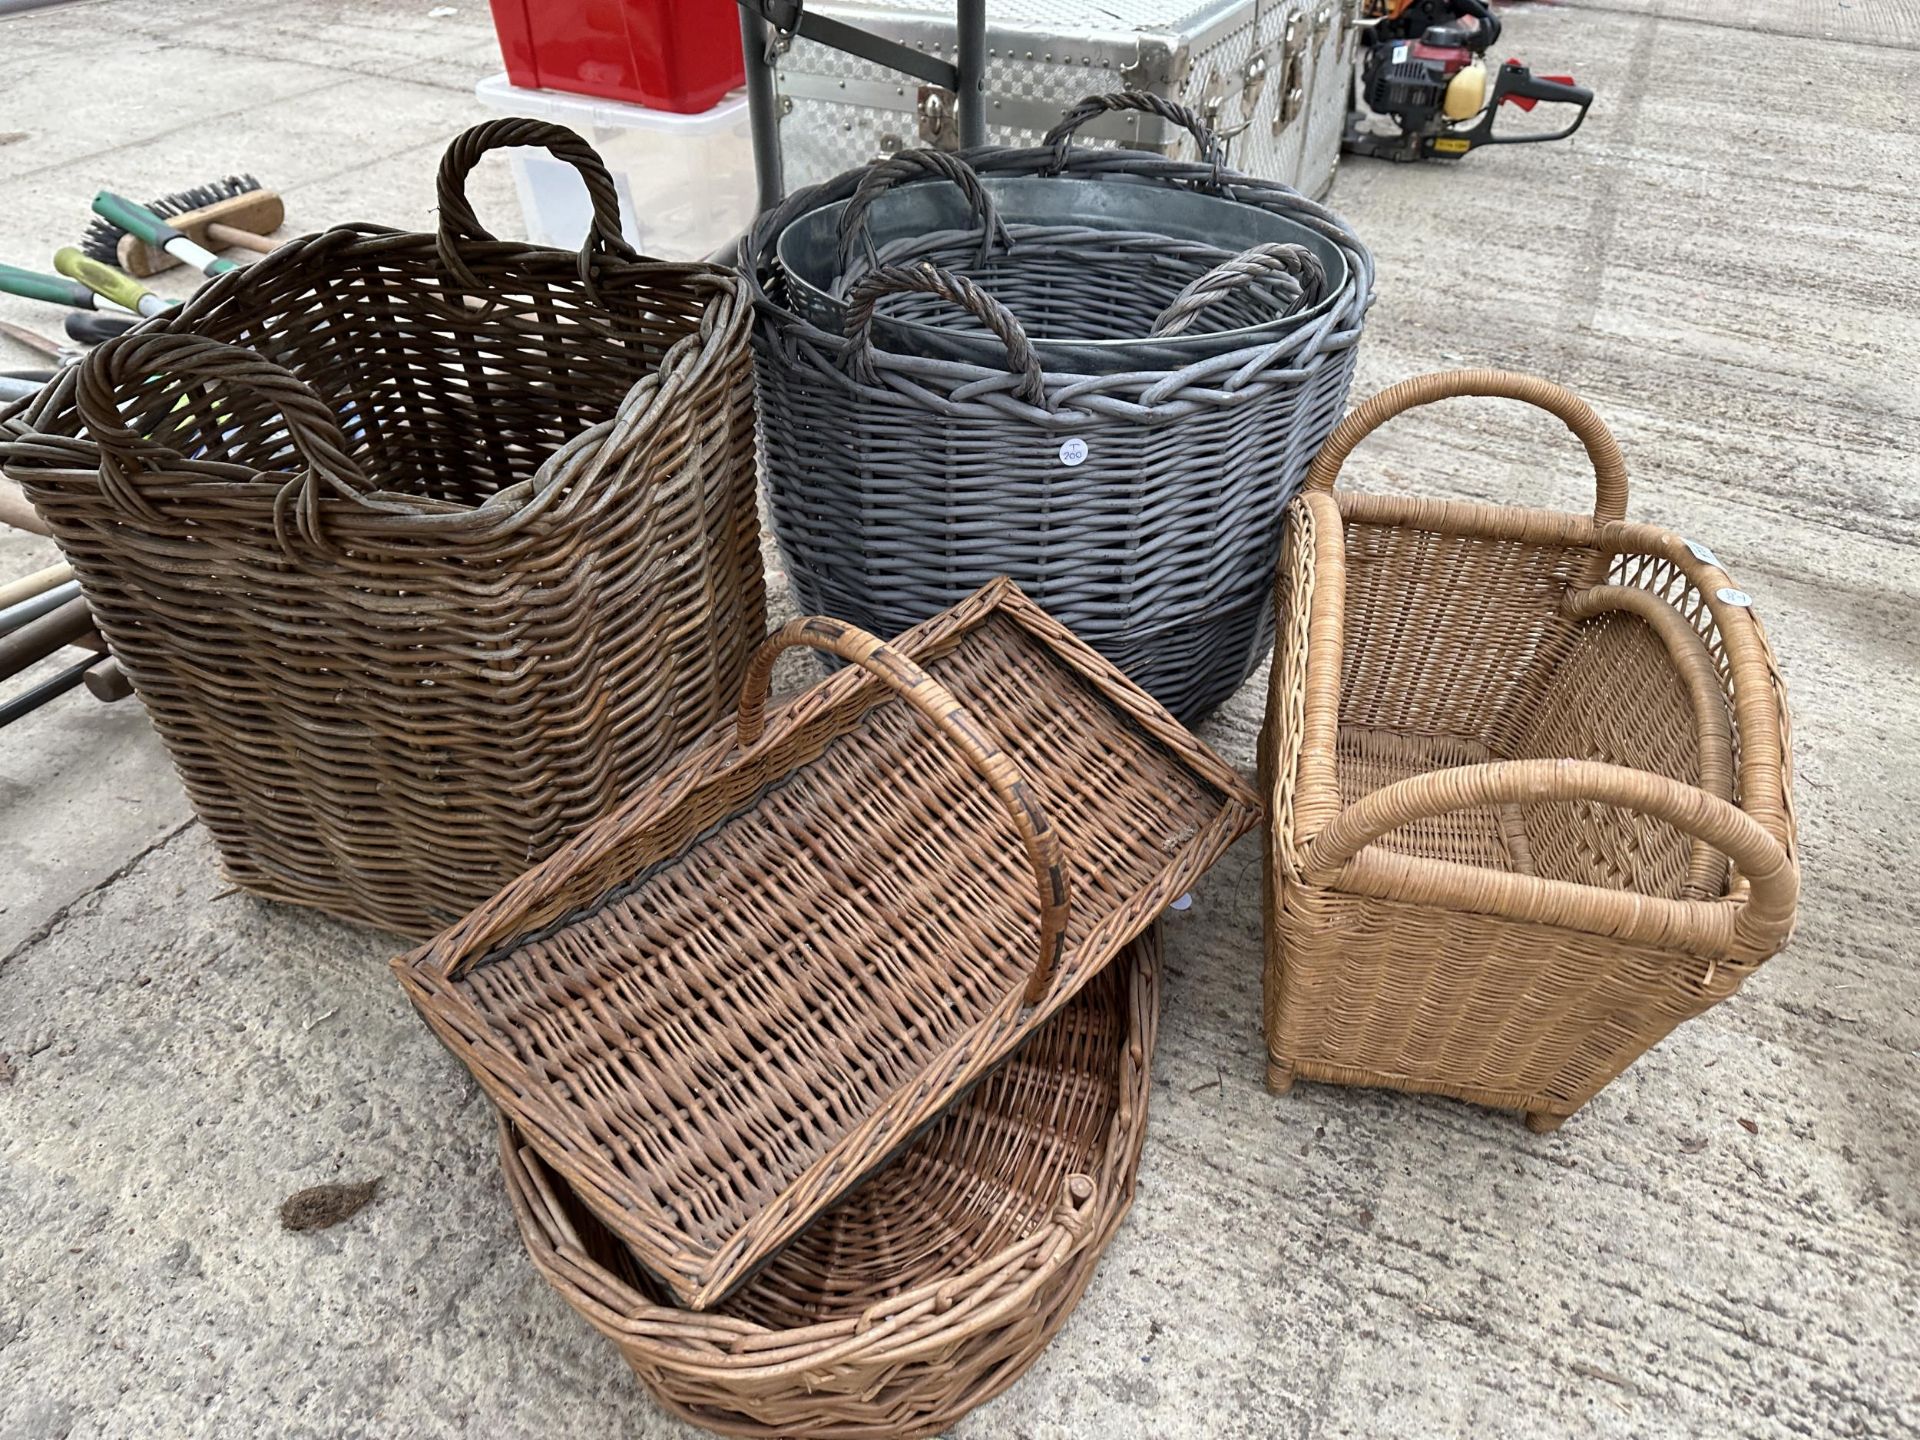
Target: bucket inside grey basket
(808,251)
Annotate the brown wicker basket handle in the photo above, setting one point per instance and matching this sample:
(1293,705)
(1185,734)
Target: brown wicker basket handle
(944,713)
(883,175)
(928,279)
(1609,470)
(1060,137)
(1262,262)
(1751,928)
(458,223)
(169,373)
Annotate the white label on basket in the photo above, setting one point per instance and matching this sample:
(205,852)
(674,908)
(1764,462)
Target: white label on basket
(1701,553)
(1073,451)
(1185,902)
(1733,596)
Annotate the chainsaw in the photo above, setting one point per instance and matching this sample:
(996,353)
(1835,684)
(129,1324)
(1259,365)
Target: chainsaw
(1421,89)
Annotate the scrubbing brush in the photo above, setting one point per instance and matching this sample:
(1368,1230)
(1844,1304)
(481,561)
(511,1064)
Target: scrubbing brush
(142,239)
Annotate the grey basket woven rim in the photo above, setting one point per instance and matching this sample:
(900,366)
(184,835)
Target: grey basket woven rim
(957,388)
(1103,207)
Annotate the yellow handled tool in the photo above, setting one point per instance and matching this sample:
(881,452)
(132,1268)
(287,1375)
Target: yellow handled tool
(115,285)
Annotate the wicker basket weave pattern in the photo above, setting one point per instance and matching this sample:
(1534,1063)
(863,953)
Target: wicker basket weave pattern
(1142,507)
(421,550)
(718,1009)
(1530,785)
(930,1289)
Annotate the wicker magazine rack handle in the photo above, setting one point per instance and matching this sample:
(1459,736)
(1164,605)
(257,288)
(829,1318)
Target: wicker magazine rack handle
(1609,469)
(1060,138)
(1713,731)
(164,365)
(883,175)
(928,279)
(459,225)
(1261,262)
(943,712)
(1748,929)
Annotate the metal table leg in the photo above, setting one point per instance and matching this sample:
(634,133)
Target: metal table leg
(966,78)
(770,171)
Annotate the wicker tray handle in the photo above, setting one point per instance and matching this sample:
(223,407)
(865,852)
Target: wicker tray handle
(929,279)
(1609,469)
(1262,262)
(1060,138)
(458,223)
(163,365)
(944,713)
(883,175)
(1749,928)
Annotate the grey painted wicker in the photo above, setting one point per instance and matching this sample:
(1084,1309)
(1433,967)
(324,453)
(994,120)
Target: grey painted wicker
(1142,507)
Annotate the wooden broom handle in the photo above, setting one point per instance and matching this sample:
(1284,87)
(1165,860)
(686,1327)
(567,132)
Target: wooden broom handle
(1609,469)
(1760,921)
(938,707)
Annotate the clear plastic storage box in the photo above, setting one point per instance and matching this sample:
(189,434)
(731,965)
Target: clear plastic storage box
(686,181)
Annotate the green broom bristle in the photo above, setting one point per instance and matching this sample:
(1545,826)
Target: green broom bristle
(102,240)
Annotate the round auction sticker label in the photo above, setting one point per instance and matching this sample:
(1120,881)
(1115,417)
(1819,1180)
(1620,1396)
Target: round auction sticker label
(1073,451)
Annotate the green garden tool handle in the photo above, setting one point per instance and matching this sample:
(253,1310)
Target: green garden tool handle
(140,221)
(54,289)
(116,285)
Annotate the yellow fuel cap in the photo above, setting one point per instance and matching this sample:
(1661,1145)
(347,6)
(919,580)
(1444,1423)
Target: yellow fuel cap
(1466,93)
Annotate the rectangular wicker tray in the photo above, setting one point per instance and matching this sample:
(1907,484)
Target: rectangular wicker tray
(717,1010)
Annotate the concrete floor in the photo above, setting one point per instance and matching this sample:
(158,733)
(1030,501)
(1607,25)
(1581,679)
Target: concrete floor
(1724,262)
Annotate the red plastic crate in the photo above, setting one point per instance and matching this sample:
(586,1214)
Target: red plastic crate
(678,55)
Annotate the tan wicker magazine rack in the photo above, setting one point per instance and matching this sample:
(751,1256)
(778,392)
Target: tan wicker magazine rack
(1530,784)
(719,1009)
(421,550)
(927,1291)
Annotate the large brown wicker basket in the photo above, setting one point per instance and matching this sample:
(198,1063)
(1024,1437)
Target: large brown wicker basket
(718,1010)
(927,1291)
(422,550)
(1510,755)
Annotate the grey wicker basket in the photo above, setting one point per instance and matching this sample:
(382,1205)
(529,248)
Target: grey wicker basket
(1141,506)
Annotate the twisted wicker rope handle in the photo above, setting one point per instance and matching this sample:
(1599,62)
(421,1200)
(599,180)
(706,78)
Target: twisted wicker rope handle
(1060,138)
(1262,262)
(944,713)
(1760,922)
(928,279)
(179,363)
(1609,469)
(883,175)
(458,222)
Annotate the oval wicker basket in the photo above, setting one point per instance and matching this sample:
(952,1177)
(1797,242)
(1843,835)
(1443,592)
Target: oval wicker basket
(721,1007)
(1141,507)
(421,550)
(926,1292)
